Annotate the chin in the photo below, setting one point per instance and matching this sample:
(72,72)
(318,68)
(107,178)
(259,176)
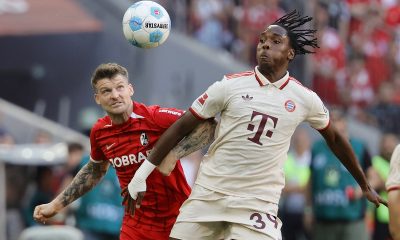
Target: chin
(117,111)
(264,65)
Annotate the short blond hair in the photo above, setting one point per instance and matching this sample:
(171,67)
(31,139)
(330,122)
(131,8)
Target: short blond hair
(107,70)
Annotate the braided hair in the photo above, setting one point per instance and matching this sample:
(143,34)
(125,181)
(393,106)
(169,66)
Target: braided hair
(299,38)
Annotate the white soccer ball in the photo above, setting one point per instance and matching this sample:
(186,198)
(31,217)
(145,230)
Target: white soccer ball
(146,24)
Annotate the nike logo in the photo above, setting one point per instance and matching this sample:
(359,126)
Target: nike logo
(109,146)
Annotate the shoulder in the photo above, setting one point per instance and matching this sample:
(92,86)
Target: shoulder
(396,155)
(157,110)
(240,75)
(142,109)
(101,123)
(163,116)
(295,84)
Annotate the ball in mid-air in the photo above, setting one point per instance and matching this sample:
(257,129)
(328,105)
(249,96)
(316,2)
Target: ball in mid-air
(146,24)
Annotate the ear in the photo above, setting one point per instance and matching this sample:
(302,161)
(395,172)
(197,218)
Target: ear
(291,54)
(97,98)
(132,90)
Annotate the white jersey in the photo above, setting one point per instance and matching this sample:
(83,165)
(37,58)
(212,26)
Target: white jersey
(393,181)
(257,121)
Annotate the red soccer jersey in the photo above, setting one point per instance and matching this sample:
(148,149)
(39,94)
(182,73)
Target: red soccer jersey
(126,146)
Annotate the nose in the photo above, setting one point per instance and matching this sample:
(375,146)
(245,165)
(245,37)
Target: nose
(114,93)
(266,45)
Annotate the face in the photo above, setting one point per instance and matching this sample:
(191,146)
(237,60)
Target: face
(273,49)
(114,95)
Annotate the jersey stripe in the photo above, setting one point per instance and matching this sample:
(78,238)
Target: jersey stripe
(393,188)
(298,82)
(241,74)
(196,114)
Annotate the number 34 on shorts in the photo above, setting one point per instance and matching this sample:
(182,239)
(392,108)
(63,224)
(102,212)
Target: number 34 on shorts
(266,223)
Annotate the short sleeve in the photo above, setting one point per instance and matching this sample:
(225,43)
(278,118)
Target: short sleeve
(165,117)
(95,151)
(318,117)
(393,181)
(211,102)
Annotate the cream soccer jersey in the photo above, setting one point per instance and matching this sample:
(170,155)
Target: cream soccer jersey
(257,120)
(393,181)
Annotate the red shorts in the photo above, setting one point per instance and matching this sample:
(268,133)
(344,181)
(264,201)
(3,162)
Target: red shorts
(128,233)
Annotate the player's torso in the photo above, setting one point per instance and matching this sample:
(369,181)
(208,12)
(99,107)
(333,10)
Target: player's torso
(253,138)
(127,146)
(259,121)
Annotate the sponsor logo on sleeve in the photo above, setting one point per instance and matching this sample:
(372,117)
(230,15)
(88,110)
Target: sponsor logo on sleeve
(202,99)
(170,112)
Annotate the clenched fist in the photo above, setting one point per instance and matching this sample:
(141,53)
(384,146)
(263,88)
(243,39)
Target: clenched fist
(43,212)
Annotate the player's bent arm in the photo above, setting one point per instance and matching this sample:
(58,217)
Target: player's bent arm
(200,137)
(85,179)
(172,136)
(394,213)
(341,147)
(168,140)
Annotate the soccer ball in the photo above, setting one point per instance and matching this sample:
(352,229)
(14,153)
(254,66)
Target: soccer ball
(146,24)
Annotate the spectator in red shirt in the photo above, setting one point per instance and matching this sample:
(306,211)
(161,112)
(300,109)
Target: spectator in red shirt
(328,60)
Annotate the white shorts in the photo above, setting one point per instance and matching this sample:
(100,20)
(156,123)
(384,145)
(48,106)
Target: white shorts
(209,215)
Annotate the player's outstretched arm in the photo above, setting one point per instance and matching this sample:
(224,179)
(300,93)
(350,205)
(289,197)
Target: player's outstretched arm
(84,180)
(341,147)
(200,137)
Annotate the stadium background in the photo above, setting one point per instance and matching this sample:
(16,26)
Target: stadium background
(49,48)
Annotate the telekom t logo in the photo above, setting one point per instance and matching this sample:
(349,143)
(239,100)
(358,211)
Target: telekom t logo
(261,127)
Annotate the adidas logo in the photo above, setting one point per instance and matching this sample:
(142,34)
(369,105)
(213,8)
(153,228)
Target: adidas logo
(247,97)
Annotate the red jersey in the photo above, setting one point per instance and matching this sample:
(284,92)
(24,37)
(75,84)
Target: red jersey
(126,146)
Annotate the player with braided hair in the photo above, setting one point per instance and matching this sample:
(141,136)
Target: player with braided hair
(299,38)
(239,184)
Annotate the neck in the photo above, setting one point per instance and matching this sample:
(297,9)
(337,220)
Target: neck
(273,75)
(121,117)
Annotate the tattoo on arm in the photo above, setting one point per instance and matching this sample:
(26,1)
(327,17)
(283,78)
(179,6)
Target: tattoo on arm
(85,180)
(200,137)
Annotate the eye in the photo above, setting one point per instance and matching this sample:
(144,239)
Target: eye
(104,91)
(277,41)
(262,40)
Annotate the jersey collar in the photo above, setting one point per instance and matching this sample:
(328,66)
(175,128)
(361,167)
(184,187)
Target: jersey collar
(133,114)
(263,81)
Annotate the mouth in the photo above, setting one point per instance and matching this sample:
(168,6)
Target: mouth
(116,104)
(264,58)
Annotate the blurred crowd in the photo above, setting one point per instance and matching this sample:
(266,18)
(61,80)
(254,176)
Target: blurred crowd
(357,66)
(97,215)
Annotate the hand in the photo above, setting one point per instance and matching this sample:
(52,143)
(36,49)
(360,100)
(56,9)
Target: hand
(43,212)
(136,189)
(128,201)
(374,197)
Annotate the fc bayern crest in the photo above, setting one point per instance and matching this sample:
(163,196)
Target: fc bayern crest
(144,140)
(290,106)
